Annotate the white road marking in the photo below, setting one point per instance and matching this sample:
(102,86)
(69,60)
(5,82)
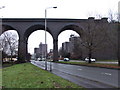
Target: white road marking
(107,74)
(79,69)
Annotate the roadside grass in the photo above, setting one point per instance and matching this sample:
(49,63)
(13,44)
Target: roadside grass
(7,65)
(91,64)
(0,78)
(29,76)
(103,60)
(108,60)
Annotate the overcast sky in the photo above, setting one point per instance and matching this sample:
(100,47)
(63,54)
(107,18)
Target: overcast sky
(66,8)
(80,9)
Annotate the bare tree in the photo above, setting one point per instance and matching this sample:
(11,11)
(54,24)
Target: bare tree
(94,37)
(112,16)
(3,47)
(113,32)
(9,43)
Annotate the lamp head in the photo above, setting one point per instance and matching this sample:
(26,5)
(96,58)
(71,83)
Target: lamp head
(3,6)
(54,7)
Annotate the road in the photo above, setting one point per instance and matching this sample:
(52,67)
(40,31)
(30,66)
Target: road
(88,77)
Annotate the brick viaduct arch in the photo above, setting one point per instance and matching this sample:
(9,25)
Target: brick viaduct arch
(25,26)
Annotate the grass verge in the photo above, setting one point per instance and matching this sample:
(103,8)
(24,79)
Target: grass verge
(0,79)
(115,66)
(108,60)
(29,76)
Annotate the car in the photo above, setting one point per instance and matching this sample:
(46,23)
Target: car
(92,60)
(66,59)
(43,59)
(39,59)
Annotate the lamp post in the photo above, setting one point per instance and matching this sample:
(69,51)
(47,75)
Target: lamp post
(0,34)
(46,35)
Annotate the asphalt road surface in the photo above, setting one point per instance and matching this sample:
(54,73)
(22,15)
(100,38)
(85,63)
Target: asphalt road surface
(88,77)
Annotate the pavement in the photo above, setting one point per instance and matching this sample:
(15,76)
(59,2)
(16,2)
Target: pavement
(88,77)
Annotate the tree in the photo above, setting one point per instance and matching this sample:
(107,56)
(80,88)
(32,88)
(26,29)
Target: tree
(3,47)
(113,33)
(113,17)
(94,36)
(9,43)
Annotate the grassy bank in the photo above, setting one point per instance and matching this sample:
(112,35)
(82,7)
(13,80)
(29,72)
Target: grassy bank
(92,64)
(29,76)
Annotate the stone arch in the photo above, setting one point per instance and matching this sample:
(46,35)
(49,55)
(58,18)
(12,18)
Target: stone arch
(8,27)
(36,27)
(32,29)
(73,27)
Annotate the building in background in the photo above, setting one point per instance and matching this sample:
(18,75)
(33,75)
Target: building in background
(36,52)
(75,47)
(66,47)
(72,48)
(69,46)
(50,54)
(41,51)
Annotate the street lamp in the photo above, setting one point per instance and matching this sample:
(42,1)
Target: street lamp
(2,7)
(46,35)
